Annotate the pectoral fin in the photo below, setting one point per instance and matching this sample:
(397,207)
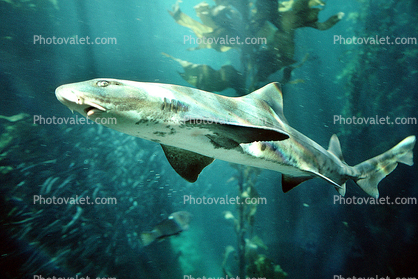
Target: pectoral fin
(186,163)
(230,135)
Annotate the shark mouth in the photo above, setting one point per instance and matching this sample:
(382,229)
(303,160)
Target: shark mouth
(93,108)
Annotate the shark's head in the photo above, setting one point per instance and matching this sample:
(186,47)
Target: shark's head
(102,97)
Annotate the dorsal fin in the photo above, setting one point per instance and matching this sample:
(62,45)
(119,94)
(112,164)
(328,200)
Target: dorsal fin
(186,163)
(272,95)
(335,147)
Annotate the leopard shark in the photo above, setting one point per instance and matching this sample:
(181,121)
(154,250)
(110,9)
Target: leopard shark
(194,127)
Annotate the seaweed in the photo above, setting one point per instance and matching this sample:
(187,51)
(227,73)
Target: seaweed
(270,28)
(263,31)
(251,263)
(377,74)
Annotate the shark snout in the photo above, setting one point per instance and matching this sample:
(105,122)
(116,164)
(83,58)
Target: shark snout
(74,100)
(63,95)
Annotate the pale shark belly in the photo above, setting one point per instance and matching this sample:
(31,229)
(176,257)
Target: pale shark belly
(263,155)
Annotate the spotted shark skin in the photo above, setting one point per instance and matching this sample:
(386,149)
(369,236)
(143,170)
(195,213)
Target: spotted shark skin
(195,127)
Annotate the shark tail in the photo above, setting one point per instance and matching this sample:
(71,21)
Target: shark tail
(367,174)
(372,171)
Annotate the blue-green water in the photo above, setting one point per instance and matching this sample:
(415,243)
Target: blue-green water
(304,231)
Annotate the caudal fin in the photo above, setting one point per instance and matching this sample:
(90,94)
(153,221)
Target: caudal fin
(375,169)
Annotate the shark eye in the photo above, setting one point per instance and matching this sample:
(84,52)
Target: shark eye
(102,83)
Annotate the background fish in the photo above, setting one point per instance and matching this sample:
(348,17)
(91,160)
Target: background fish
(174,224)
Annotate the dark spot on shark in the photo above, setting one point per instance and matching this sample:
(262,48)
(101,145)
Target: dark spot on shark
(222,142)
(173,106)
(160,134)
(172,131)
(126,107)
(164,104)
(263,146)
(185,126)
(141,121)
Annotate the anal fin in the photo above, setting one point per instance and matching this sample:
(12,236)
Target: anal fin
(186,163)
(290,182)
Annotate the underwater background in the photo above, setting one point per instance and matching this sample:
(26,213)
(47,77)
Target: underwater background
(300,234)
